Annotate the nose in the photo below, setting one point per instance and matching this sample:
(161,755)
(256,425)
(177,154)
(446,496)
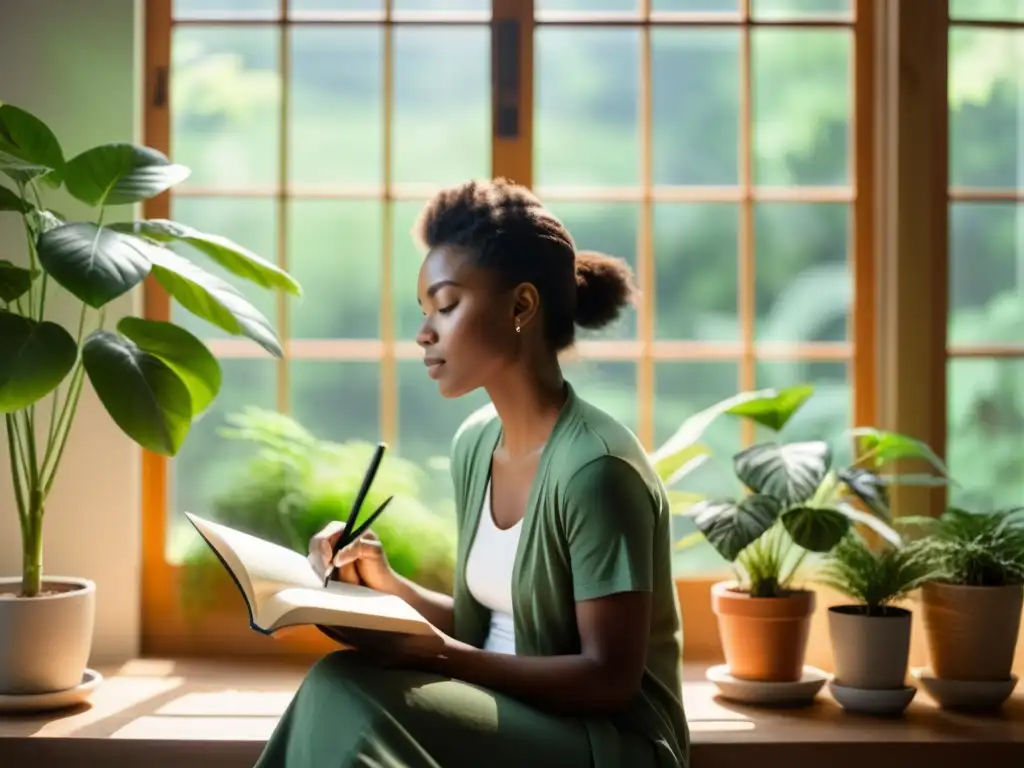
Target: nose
(426,337)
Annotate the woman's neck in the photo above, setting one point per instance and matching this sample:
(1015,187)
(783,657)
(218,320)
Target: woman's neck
(528,403)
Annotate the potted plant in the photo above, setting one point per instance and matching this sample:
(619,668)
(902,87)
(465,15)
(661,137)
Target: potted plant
(153,378)
(871,636)
(794,502)
(972,608)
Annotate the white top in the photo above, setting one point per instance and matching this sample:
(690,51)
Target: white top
(489,576)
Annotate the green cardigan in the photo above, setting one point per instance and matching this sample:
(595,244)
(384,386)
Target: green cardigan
(597,523)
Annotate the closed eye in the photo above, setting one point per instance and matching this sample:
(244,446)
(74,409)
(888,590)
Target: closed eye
(449,308)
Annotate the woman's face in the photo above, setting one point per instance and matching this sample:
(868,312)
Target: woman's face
(468,333)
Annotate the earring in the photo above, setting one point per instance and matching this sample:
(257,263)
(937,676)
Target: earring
(518,329)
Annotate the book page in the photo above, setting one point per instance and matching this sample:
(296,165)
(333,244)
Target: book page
(342,605)
(269,566)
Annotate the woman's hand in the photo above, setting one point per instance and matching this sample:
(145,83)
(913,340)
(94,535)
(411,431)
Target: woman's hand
(362,561)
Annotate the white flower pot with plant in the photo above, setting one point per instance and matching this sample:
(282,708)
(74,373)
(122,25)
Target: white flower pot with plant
(153,378)
(871,636)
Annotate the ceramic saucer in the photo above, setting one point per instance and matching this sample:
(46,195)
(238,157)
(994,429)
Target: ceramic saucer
(38,702)
(800,691)
(872,702)
(966,694)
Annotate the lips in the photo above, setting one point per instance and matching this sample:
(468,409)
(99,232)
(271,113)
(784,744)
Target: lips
(434,365)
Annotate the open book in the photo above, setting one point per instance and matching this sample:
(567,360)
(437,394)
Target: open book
(281,588)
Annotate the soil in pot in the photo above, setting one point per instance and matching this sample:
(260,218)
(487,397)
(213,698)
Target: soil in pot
(971,631)
(763,638)
(45,641)
(870,651)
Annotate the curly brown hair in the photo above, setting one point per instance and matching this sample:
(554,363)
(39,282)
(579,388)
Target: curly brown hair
(506,228)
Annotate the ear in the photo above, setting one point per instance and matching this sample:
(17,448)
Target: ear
(526,303)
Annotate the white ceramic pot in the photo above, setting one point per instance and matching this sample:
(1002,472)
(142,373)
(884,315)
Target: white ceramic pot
(45,641)
(870,652)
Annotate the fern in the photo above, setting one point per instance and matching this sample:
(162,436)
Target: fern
(876,579)
(977,550)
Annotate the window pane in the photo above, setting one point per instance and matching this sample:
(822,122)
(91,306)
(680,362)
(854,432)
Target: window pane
(804,281)
(586,5)
(337,401)
(826,414)
(986,273)
(233,9)
(441,5)
(337,127)
(986,433)
(682,389)
(985,98)
(696,269)
(426,425)
(697,6)
(226,94)
(610,228)
(992,10)
(250,222)
(586,130)
(792,9)
(609,386)
(406,269)
(695,109)
(802,106)
(334,251)
(442,114)
(334,6)
(209,465)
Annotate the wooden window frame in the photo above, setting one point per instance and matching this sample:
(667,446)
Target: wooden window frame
(887,247)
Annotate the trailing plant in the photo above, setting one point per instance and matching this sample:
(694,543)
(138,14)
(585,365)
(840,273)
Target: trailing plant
(795,501)
(294,483)
(875,578)
(153,378)
(975,549)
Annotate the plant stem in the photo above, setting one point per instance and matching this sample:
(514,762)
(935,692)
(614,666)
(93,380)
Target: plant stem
(16,471)
(42,282)
(32,547)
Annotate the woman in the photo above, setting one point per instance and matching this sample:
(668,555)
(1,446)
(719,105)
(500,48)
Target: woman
(561,645)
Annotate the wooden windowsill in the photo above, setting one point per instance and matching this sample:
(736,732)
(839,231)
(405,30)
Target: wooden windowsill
(203,712)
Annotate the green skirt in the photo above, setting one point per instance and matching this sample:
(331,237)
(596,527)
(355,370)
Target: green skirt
(351,712)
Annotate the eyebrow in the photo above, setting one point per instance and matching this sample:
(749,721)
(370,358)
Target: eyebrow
(436,287)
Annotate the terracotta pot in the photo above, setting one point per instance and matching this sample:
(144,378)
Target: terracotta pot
(763,638)
(870,652)
(45,641)
(971,631)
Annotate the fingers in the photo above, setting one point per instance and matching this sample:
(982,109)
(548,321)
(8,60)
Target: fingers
(363,548)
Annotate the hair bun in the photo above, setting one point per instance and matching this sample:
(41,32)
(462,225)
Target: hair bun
(604,285)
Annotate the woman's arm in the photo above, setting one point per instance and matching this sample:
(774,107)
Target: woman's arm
(602,678)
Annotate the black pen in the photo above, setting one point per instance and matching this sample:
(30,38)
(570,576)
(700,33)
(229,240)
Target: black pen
(346,534)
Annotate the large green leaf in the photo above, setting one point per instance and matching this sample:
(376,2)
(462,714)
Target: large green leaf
(790,472)
(774,411)
(34,359)
(9,201)
(95,264)
(212,299)
(885,446)
(143,395)
(868,520)
(868,487)
(731,526)
(188,356)
(682,449)
(116,174)
(233,257)
(28,148)
(816,529)
(14,280)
